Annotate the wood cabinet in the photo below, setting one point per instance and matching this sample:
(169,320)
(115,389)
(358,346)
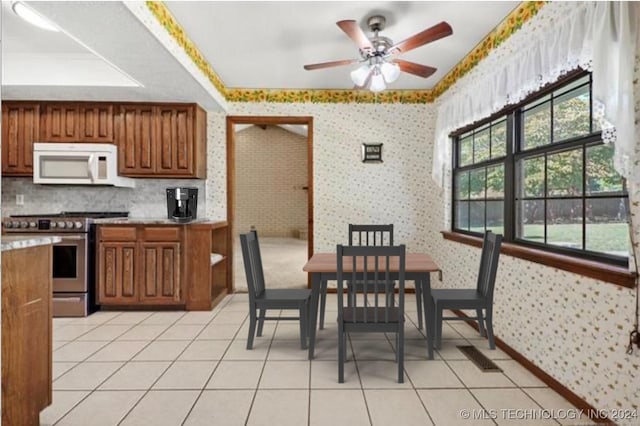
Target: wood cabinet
(154,140)
(20,129)
(117,273)
(26,334)
(162,265)
(139,265)
(161,140)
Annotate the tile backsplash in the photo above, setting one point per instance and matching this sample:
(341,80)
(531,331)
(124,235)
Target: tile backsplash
(147,199)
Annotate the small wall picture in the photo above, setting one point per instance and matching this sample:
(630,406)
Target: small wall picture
(372,153)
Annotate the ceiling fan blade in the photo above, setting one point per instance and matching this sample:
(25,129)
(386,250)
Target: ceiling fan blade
(355,33)
(423,71)
(330,64)
(434,33)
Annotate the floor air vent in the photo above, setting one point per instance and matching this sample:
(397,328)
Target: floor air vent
(479,359)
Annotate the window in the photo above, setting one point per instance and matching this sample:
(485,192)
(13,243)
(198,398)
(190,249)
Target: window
(540,175)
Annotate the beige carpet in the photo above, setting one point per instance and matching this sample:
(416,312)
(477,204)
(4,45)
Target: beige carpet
(282,262)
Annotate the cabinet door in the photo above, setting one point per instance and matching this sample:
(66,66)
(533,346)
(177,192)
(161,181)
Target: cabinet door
(20,128)
(160,273)
(96,123)
(61,122)
(135,137)
(117,273)
(175,141)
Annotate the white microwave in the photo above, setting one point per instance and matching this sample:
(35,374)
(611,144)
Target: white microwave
(77,164)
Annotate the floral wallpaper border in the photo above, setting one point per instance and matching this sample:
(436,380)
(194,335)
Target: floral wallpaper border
(508,26)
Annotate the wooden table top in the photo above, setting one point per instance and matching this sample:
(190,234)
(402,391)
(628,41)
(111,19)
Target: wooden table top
(326,262)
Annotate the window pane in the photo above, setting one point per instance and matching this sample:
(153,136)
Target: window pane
(495,216)
(477,183)
(466,151)
(601,176)
(607,228)
(537,126)
(476,216)
(564,173)
(530,220)
(462,186)
(462,215)
(499,139)
(571,117)
(531,180)
(495,181)
(481,144)
(564,223)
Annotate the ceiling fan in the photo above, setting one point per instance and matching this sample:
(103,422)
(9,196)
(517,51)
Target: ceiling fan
(378,53)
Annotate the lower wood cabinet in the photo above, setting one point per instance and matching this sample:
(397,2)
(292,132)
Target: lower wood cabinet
(26,334)
(156,265)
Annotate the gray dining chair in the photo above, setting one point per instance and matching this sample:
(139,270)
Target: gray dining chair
(378,315)
(478,299)
(262,299)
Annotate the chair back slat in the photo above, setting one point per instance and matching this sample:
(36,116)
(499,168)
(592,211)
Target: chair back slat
(252,264)
(370,235)
(375,264)
(489,264)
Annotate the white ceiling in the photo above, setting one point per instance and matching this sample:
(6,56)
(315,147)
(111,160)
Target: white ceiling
(248,44)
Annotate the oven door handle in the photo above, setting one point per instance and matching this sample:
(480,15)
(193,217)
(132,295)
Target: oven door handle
(73,237)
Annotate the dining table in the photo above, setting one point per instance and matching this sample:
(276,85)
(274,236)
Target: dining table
(323,267)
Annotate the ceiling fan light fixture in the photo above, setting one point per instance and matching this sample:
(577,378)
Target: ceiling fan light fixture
(390,71)
(32,17)
(377,82)
(359,75)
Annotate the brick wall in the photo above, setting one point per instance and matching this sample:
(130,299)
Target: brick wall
(271,169)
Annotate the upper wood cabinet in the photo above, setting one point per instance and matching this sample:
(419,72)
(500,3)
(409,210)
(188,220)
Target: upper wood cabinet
(154,140)
(77,122)
(167,140)
(20,129)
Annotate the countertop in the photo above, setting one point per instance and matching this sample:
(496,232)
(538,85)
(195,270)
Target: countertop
(150,221)
(15,242)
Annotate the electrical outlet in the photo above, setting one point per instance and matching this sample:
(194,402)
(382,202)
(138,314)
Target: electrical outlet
(20,199)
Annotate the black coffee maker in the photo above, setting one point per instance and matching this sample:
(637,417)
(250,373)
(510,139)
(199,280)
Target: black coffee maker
(182,204)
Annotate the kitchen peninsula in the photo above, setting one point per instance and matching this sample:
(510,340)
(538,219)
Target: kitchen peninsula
(148,262)
(26,328)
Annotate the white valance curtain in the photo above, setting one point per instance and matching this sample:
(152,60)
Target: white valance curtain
(598,36)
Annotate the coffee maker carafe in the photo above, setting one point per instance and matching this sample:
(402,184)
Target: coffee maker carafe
(182,204)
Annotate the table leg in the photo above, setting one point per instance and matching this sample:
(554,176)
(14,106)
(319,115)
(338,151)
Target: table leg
(313,311)
(428,313)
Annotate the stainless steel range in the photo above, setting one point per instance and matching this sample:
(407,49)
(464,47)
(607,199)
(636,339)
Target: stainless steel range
(73,258)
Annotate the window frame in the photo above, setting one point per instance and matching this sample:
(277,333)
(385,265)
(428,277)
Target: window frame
(514,153)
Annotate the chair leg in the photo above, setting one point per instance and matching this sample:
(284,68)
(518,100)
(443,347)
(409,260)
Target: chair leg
(400,354)
(438,336)
(480,322)
(263,313)
(341,354)
(303,325)
(323,302)
(252,327)
(419,303)
(492,341)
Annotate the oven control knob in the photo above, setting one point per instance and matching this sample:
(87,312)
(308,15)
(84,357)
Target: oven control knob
(52,225)
(7,224)
(15,224)
(24,224)
(62,225)
(70,225)
(78,225)
(33,225)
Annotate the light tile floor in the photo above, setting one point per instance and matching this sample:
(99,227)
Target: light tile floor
(192,368)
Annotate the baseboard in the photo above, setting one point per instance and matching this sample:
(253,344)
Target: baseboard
(593,413)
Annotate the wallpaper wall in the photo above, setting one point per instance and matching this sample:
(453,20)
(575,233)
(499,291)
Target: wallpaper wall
(271,172)
(572,327)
